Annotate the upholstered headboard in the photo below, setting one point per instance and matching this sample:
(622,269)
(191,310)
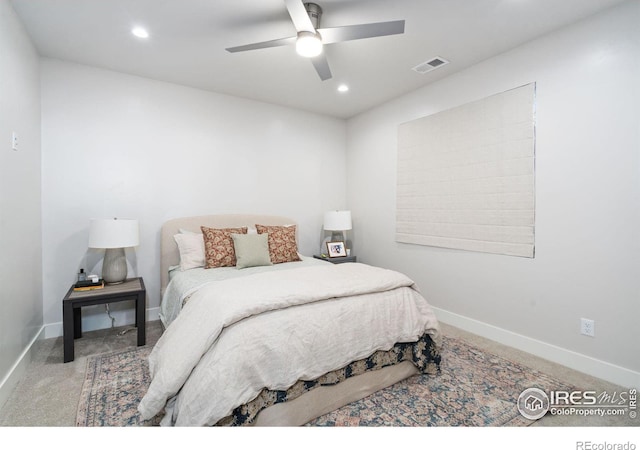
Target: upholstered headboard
(169,254)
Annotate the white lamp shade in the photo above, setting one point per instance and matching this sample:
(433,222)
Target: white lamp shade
(113,233)
(337,220)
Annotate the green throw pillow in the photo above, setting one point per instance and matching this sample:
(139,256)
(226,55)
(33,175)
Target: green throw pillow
(251,250)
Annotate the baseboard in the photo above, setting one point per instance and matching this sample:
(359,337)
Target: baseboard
(18,370)
(52,330)
(577,361)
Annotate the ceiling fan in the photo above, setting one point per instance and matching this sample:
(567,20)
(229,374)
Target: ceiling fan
(311,39)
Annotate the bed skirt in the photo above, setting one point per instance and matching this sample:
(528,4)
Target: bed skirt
(306,400)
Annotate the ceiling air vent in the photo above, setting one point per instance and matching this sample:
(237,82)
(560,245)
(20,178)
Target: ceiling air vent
(430,65)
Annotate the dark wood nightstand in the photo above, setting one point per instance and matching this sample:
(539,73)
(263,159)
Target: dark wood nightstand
(336,260)
(131,289)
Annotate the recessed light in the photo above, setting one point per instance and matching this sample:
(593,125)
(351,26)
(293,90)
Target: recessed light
(140,32)
(343,88)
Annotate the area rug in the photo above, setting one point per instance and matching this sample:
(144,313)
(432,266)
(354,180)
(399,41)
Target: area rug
(114,384)
(474,388)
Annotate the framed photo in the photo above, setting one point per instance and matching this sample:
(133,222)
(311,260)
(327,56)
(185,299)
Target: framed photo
(336,249)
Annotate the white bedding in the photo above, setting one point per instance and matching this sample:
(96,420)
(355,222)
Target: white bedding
(184,283)
(235,337)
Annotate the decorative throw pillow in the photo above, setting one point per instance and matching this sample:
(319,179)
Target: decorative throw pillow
(218,246)
(191,248)
(282,242)
(251,250)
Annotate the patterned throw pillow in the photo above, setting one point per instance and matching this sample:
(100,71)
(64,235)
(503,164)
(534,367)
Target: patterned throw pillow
(218,246)
(282,243)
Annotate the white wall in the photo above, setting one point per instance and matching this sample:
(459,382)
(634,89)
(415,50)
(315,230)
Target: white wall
(20,227)
(587,261)
(116,145)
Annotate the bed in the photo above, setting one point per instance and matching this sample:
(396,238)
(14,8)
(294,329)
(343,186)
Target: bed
(278,339)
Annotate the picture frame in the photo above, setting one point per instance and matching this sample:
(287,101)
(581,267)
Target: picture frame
(336,249)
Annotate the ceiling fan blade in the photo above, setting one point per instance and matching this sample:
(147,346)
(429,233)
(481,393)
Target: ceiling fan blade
(366,30)
(322,66)
(299,16)
(265,44)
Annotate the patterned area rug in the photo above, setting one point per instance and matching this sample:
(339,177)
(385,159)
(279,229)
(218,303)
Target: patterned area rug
(114,384)
(475,388)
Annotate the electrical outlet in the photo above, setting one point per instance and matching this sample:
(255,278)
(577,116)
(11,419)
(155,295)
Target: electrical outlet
(588,327)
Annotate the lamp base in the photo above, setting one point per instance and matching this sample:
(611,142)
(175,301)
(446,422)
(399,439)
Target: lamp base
(114,266)
(337,236)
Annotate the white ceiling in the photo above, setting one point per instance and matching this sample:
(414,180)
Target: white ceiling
(189,37)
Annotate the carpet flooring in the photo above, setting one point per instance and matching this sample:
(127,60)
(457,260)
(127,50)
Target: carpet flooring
(49,392)
(474,388)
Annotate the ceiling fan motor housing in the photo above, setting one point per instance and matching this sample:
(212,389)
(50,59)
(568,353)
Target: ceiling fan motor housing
(315,13)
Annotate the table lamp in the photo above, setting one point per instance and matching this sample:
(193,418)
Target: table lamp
(338,222)
(113,235)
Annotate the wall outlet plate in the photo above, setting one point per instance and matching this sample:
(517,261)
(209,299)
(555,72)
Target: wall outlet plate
(588,327)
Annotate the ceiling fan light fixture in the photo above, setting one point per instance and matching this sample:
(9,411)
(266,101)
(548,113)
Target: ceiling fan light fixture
(308,44)
(311,38)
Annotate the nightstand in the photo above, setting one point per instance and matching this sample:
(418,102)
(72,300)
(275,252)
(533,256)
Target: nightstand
(131,289)
(337,260)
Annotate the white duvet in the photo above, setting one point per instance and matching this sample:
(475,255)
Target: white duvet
(235,337)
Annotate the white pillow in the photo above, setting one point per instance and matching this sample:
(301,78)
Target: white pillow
(191,247)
